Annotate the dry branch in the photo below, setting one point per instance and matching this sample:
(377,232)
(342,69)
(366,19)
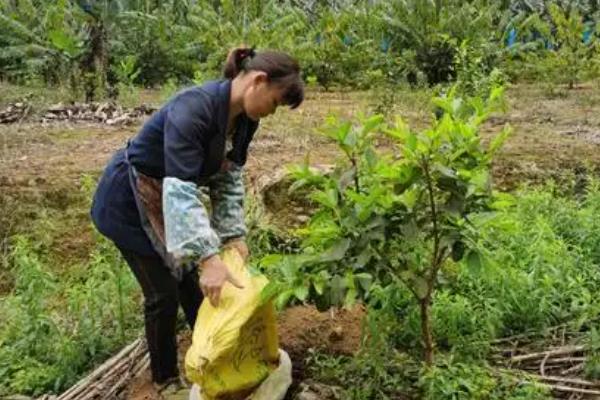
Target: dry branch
(572,381)
(554,352)
(573,369)
(110,378)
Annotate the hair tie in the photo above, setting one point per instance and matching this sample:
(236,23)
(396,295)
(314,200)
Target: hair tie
(244,56)
(247,53)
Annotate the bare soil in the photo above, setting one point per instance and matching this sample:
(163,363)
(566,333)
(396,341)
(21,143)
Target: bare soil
(302,329)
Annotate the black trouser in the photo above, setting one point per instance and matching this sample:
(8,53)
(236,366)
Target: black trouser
(162,296)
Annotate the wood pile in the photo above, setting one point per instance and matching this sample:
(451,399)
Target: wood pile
(111,379)
(105,113)
(14,112)
(102,113)
(554,362)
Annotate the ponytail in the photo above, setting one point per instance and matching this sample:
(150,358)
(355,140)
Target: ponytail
(236,61)
(281,69)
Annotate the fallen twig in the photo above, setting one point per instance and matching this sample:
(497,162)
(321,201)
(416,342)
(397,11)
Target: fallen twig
(560,379)
(554,352)
(573,369)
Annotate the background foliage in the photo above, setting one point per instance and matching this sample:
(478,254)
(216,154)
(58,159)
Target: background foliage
(346,43)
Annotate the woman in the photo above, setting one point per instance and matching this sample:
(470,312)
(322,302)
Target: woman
(147,203)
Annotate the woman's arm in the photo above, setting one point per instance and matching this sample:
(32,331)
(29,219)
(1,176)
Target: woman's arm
(188,234)
(227,201)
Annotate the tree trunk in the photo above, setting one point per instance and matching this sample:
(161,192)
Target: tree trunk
(426,331)
(355,166)
(94,64)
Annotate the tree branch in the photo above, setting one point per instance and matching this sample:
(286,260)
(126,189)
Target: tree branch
(436,235)
(355,166)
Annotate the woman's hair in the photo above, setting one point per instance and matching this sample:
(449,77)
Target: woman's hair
(281,69)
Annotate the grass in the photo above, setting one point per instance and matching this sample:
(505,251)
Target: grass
(58,311)
(38,95)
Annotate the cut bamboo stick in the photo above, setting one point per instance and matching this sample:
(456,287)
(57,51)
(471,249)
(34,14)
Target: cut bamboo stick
(554,352)
(573,369)
(111,375)
(561,379)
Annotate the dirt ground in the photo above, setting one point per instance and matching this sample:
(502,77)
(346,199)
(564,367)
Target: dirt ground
(301,329)
(550,134)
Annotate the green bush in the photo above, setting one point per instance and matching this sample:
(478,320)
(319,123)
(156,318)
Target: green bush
(58,323)
(360,45)
(559,56)
(55,328)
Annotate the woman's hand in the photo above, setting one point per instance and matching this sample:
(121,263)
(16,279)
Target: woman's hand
(214,275)
(241,246)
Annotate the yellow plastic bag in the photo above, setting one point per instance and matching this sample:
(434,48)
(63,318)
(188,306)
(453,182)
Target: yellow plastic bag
(234,346)
(273,388)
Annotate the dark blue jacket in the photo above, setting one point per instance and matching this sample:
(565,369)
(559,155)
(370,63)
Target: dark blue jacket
(185,139)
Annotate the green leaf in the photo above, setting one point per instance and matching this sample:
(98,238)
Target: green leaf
(289,267)
(63,42)
(351,139)
(271,290)
(327,198)
(443,103)
(407,275)
(351,293)
(301,292)
(455,205)
(404,173)
(336,130)
(409,229)
(365,280)
(336,252)
(411,142)
(319,282)
(283,299)
(346,179)
(445,171)
(420,287)
(481,179)
(465,173)
(370,124)
(409,197)
(343,131)
(371,157)
(337,290)
(502,201)
(270,260)
(399,132)
(499,140)
(456,106)
(474,262)
(362,259)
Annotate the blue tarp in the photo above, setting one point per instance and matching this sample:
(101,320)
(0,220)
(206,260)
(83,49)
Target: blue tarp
(512,38)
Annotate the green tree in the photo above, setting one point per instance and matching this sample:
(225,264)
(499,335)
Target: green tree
(40,40)
(433,29)
(395,219)
(565,57)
